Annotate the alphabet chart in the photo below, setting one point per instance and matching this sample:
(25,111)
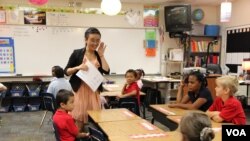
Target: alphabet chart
(7,55)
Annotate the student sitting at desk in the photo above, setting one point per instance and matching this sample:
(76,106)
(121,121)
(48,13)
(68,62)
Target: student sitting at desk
(199,96)
(140,74)
(131,88)
(195,126)
(59,83)
(64,122)
(226,107)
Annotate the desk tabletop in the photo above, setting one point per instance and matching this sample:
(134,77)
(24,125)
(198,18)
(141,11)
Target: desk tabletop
(159,79)
(177,120)
(176,136)
(115,93)
(169,136)
(163,108)
(112,115)
(130,129)
(113,87)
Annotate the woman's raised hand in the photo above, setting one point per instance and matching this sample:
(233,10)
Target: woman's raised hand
(101,49)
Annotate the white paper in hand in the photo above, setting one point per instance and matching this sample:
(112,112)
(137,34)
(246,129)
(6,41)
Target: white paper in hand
(92,77)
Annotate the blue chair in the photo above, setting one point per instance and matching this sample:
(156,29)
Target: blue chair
(96,135)
(49,104)
(56,132)
(130,103)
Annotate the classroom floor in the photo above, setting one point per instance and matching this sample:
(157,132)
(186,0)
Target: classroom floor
(24,126)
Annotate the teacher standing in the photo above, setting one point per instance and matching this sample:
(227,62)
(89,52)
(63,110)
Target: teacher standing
(86,99)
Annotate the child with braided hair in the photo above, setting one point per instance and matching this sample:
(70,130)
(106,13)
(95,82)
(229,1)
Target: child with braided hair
(196,126)
(198,97)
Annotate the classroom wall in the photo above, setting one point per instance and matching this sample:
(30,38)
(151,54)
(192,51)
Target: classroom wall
(240,17)
(211,17)
(78,19)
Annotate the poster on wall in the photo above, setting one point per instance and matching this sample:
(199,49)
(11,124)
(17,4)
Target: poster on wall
(151,16)
(7,55)
(2,16)
(34,17)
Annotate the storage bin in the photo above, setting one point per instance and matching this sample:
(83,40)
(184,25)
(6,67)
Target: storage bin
(198,29)
(19,104)
(2,94)
(34,103)
(19,108)
(17,93)
(17,90)
(4,109)
(33,89)
(33,107)
(212,30)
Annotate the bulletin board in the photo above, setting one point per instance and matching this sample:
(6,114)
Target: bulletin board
(38,48)
(7,55)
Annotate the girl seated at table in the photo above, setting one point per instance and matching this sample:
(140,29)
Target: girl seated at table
(140,74)
(130,88)
(198,97)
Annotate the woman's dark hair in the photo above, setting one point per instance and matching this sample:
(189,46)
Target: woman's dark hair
(131,71)
(91,30)
(63,96)
(58,72)
(200,77)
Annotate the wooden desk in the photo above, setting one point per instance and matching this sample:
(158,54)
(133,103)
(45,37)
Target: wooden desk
(156,80)
(176,136)
(160,112)
(164,109)
(111,115)
(177,120)
(126,130)
(115,93)
(113,87)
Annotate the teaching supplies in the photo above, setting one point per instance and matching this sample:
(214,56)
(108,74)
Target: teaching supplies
(92,77)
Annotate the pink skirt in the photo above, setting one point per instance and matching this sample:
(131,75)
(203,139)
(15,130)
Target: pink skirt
(85,99)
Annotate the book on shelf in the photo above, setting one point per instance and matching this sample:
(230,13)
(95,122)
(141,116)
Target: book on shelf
(199,61)
(201,46)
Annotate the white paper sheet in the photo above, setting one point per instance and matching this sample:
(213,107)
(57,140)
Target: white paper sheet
(92,77)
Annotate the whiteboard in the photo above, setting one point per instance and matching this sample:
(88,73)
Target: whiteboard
(38,48)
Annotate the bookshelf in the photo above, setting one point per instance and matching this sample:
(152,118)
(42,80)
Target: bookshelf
(197,51)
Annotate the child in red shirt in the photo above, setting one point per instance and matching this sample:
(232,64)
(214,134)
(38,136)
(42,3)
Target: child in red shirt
(64,122)
(226,107)
(130,89)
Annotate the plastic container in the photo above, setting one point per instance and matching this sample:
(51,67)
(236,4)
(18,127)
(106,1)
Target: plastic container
(212,30)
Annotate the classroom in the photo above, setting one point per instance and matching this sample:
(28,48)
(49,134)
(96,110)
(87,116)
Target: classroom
(134,69)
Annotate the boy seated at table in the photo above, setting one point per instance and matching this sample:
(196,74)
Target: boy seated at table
(226,108)
(63,121)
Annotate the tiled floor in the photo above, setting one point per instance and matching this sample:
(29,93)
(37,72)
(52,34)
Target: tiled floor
(24,126)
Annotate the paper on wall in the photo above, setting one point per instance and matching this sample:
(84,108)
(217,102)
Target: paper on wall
(92,77)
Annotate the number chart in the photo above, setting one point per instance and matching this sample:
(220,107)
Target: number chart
(7,55)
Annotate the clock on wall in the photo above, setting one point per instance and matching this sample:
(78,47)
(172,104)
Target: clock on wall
(198,14)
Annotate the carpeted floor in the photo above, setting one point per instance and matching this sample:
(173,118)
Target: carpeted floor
(24,126)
